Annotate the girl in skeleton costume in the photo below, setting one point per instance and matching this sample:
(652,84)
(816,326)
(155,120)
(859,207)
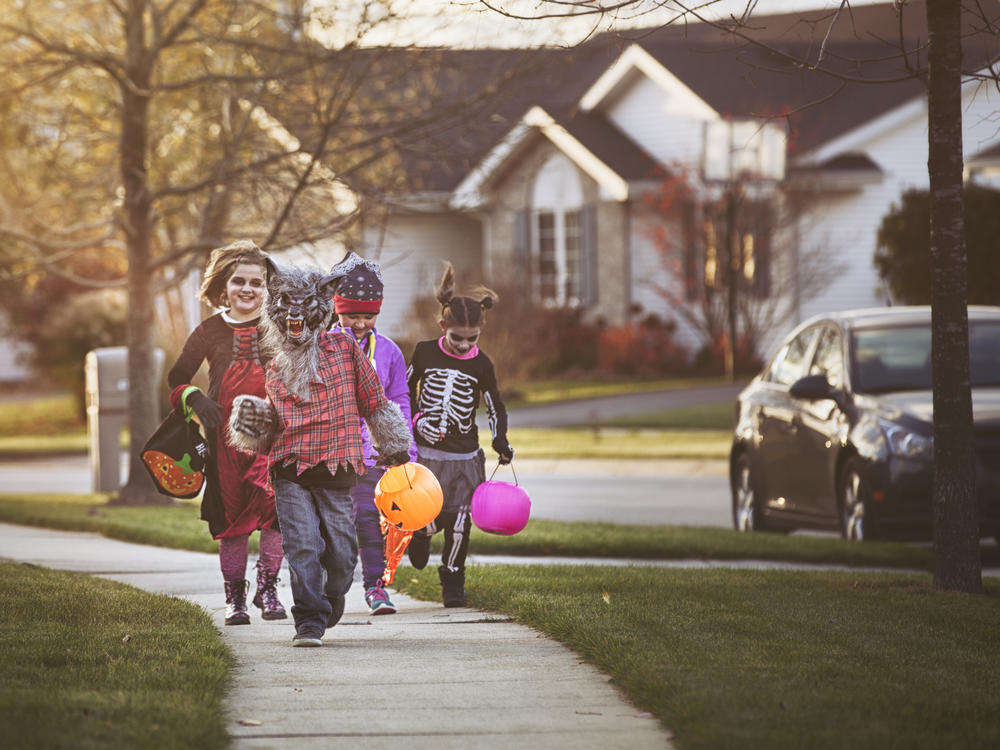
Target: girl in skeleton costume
(447,376)
(238,499)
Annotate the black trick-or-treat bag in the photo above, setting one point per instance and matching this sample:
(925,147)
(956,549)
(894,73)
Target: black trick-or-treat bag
(175,454)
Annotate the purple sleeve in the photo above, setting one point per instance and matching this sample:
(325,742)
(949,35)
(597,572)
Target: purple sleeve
(396,387)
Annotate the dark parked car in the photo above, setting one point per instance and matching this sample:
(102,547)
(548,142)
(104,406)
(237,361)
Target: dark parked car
(836,431)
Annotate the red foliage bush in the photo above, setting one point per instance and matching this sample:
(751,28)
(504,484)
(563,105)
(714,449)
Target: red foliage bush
(645,349)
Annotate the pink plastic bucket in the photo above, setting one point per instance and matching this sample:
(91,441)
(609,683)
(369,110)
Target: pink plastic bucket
(500,507)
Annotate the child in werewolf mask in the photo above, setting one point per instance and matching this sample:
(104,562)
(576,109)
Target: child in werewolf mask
(319,385)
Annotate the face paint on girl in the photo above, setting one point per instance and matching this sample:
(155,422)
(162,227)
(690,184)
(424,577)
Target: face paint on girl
(458,340)
(245,291)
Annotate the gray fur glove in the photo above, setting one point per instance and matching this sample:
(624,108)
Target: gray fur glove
(252,424)
(390,435)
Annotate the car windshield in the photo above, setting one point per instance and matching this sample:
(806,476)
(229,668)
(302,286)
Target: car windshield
(899,358)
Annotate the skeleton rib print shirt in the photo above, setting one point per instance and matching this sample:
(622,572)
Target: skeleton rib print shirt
(444,395)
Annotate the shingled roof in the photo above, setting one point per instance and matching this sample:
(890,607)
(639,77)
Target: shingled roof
(859,76)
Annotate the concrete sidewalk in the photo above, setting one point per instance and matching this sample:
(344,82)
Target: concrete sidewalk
(427,677)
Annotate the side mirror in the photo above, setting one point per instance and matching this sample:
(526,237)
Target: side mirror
(812,388)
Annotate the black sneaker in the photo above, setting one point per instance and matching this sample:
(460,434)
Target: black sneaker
(419,550)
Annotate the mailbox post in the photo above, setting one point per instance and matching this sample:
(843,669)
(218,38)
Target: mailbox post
(107,390)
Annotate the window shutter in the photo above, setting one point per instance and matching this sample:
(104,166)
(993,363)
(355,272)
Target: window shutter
(588,255)
(522,241)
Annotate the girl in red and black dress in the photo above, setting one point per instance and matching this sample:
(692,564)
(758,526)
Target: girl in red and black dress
(238,499)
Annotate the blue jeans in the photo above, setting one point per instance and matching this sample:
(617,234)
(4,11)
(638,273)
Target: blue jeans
(366,520)
(317,526)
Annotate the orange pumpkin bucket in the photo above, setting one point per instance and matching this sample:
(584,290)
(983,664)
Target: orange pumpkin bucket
(409,496)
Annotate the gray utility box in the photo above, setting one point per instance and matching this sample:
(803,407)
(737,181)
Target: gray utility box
(107,391)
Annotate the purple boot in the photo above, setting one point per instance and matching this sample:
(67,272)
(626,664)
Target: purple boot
(236,602)
(267,594)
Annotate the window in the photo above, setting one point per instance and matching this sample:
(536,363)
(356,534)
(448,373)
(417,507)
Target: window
(789,363)
(557,234)
(829,357)
(751,237)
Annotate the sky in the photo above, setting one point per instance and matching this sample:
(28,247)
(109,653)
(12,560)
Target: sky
(469,23)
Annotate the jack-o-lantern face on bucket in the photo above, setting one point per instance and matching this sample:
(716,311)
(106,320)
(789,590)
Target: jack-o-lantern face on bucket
(409,496)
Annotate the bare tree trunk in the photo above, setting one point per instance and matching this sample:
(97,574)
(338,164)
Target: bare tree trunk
(957,564)
(139,490)
(730,273)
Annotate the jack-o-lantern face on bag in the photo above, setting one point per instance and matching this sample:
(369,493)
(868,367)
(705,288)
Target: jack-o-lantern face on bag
(175,477)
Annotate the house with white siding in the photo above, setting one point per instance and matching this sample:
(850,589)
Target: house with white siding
(556,198)
(544,186)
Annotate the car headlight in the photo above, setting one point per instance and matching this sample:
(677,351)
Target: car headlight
(906,444)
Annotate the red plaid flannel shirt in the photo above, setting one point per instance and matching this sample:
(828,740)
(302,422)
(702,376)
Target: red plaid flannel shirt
(326,427)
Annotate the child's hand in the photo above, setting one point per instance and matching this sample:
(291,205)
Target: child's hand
(205,409)
(428,430)
(504,450)
(252,416)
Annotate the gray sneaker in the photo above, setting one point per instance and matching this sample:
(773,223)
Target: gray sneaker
(306,640)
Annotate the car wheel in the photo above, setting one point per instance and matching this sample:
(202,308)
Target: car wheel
(853,498)
(745,501)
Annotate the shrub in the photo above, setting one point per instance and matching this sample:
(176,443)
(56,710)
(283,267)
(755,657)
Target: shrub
(644,348)
(85,321)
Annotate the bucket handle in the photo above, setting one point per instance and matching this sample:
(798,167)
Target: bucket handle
(510,464)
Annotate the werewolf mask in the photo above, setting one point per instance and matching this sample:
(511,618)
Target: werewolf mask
(299,303)
(298,307)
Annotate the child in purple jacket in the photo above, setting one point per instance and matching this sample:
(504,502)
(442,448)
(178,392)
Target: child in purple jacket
(357,301)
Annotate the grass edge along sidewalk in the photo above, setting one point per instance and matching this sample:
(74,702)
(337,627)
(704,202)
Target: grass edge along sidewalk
(95,663)
(768,659)
(178,526)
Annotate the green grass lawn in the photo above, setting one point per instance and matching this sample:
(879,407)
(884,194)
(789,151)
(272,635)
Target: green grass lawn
(90,663)
(14,447)
(40,415)
(768,659)
(611,443)
(179,526)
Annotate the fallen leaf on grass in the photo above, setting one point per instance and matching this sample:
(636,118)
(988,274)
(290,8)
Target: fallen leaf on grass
(127,638)
(605,595)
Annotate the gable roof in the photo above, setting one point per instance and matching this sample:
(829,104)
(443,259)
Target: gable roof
(491,90)
(589,140)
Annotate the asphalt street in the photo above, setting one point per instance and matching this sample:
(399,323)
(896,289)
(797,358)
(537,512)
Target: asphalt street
(592,410)
(686,493)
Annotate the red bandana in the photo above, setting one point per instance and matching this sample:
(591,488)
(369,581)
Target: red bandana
(346,305)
